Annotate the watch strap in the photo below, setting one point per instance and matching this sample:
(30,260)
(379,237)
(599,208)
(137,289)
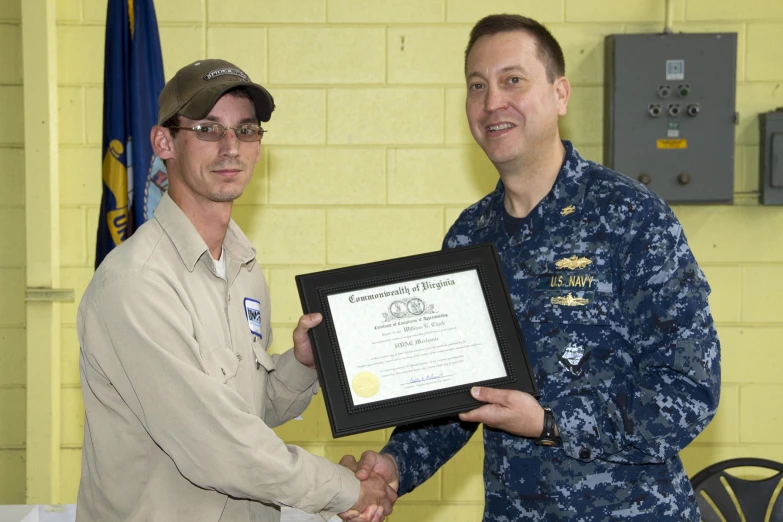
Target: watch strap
(548,437)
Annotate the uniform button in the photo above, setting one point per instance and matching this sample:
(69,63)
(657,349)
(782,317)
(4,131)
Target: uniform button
(584,453)
(239,357)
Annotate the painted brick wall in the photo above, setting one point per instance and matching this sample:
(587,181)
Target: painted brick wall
(12,258)
(369,157)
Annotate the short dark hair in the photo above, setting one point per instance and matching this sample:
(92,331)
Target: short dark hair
(549,51)
(238,92)
(172,122)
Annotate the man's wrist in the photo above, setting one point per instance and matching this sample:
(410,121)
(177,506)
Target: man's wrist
(398,476)
(396,467)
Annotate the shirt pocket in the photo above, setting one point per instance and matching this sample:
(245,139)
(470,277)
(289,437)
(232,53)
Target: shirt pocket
(222,364)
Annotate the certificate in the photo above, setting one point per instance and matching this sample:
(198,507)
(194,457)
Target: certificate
(404,340)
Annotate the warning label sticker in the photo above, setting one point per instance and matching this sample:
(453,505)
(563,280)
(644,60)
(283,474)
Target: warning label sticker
(672,144)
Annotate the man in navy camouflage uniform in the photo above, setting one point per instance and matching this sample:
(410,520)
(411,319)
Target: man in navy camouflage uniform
(610,301)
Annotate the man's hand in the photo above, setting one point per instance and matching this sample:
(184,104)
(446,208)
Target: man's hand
(372,464)
(376,499)
(509,410)
(303,351)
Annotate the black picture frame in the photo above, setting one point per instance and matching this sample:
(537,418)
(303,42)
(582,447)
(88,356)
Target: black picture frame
(346,418)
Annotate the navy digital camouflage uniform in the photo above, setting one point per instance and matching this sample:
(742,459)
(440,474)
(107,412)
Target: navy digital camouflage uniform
(623,348)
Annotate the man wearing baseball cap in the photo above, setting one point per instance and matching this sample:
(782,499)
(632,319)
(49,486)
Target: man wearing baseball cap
(179,391)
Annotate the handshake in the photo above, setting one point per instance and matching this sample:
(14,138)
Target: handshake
(512,411)
(379,483)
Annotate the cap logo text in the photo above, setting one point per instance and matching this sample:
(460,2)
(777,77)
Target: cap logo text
(226,70)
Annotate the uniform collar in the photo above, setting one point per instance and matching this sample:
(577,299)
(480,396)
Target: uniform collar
(188,241)
(563,200)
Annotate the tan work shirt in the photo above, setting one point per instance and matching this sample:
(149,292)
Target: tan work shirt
(180,394)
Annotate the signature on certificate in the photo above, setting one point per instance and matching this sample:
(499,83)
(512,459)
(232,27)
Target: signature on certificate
(428,377)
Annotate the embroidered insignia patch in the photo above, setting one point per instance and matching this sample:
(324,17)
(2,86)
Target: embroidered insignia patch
(569,300)
(570,209)
(253,314)
(573,262)
(227,70)
(573,358)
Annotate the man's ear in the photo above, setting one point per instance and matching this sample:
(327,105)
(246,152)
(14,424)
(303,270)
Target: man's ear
(162,142)
(562,93)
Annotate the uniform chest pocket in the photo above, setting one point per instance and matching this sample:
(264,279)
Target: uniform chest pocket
(222,364)
(573,298)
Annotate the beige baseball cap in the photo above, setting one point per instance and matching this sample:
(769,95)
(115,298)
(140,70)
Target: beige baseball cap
(195,89)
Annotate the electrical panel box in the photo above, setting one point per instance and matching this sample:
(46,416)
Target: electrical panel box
(670,113)
(771,157)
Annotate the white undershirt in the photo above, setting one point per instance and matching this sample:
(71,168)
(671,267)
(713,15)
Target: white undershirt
(220,265)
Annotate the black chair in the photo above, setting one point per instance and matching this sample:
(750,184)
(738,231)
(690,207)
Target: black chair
(753,496)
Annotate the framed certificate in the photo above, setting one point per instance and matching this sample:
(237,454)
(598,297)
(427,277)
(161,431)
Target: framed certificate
(404,340)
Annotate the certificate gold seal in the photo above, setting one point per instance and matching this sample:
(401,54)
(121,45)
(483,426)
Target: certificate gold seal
(365,384)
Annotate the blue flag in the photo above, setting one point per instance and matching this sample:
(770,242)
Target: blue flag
(134,178)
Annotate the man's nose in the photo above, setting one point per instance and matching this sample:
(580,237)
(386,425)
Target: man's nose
(495,99)
(229,143)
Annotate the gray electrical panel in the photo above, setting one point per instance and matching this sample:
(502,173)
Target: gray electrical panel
(771,157)
(670,113)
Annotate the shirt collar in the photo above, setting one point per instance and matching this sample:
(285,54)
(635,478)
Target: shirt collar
(564,198)
(188,241)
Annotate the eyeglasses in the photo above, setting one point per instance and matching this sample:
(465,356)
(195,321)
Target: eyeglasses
(215,132)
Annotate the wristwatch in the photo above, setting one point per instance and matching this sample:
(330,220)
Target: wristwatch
(548,437)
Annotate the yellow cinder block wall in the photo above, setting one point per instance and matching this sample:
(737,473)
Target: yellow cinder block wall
(12,258)
(369,157)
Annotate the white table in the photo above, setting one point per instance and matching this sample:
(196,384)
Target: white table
(37,513)
(67,513)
